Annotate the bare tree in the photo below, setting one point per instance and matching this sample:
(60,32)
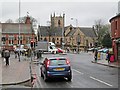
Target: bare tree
(23,19)
(101,30)
(9,21)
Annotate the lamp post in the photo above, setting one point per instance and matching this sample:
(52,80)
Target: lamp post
(19,29)
(76,21)
(78,36)
(63,43)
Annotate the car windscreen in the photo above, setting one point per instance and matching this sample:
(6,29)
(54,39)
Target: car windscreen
(55,62)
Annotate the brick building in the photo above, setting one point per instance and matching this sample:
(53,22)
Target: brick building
(115,33)
(12,31)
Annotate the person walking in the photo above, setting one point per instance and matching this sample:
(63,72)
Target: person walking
(96,55)
(108,56)
(6,56)
(15,53)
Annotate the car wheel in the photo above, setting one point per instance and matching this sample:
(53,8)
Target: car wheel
(69,77)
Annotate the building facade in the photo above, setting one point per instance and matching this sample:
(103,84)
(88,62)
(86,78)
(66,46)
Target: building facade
(115,32)
(73,37)
(15,34)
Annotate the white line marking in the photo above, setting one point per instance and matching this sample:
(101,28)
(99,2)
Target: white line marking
(78,71)
(101,81)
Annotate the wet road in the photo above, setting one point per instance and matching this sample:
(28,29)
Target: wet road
(85,74)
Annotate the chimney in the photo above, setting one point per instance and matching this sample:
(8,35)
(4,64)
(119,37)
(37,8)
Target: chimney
(27,20)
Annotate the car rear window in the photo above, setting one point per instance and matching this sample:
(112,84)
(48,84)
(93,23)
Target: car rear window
(55,62)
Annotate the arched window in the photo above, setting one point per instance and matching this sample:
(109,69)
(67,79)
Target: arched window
(59,23)
(78,39)
(53,40)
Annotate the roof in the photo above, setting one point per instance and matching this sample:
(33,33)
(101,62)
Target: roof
(14,28)
(71,32)
(88,31)
(57,31)
(46,31)
(118,15)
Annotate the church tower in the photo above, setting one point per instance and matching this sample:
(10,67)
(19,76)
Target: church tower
(57,21)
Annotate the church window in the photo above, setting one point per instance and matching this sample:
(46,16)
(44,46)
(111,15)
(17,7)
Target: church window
(59,22)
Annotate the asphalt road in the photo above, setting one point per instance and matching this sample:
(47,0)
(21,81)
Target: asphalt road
(85,74)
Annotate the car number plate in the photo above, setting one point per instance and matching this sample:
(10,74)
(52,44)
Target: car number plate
(59,69)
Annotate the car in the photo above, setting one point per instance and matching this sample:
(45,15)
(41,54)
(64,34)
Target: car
(60,50)
(20,49)
(104,50)
(90,49)
(56,67)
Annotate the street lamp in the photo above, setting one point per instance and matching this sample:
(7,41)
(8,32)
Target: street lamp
(76,21)
(19,30)
(63,43)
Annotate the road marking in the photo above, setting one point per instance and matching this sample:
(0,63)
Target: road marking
(101,81)
(78,71)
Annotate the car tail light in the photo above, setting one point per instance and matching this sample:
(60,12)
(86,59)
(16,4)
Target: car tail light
(68,62)
(48,63)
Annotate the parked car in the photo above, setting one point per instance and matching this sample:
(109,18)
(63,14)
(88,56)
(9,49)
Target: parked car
(56,67)
(20,49)
(60,50)
(104,50)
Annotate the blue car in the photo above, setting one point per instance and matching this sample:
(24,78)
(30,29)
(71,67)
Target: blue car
(56,67)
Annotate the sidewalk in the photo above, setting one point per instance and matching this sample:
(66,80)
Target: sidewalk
(16,73)
(105,63)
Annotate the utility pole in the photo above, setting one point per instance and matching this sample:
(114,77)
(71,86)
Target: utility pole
(63,41)
(19,29)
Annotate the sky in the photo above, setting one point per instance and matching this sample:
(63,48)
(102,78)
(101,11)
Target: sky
(83,13)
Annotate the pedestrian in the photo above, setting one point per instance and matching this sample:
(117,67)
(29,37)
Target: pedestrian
(6,56)
(108,56)
(2,53)
(96,55)
(15,53)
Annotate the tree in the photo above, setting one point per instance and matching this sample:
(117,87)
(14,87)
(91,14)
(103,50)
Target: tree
(9,21)
(101,30)
(107,42)
(23,19)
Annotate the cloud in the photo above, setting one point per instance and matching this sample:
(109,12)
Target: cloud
(85,12)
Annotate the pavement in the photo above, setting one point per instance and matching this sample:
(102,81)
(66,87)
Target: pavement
(16,73)
(105,63)
(19,72)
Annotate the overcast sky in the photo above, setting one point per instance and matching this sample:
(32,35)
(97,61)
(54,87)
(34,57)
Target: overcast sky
(85,12)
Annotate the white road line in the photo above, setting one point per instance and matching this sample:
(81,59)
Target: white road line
(78,71)
(101,81)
